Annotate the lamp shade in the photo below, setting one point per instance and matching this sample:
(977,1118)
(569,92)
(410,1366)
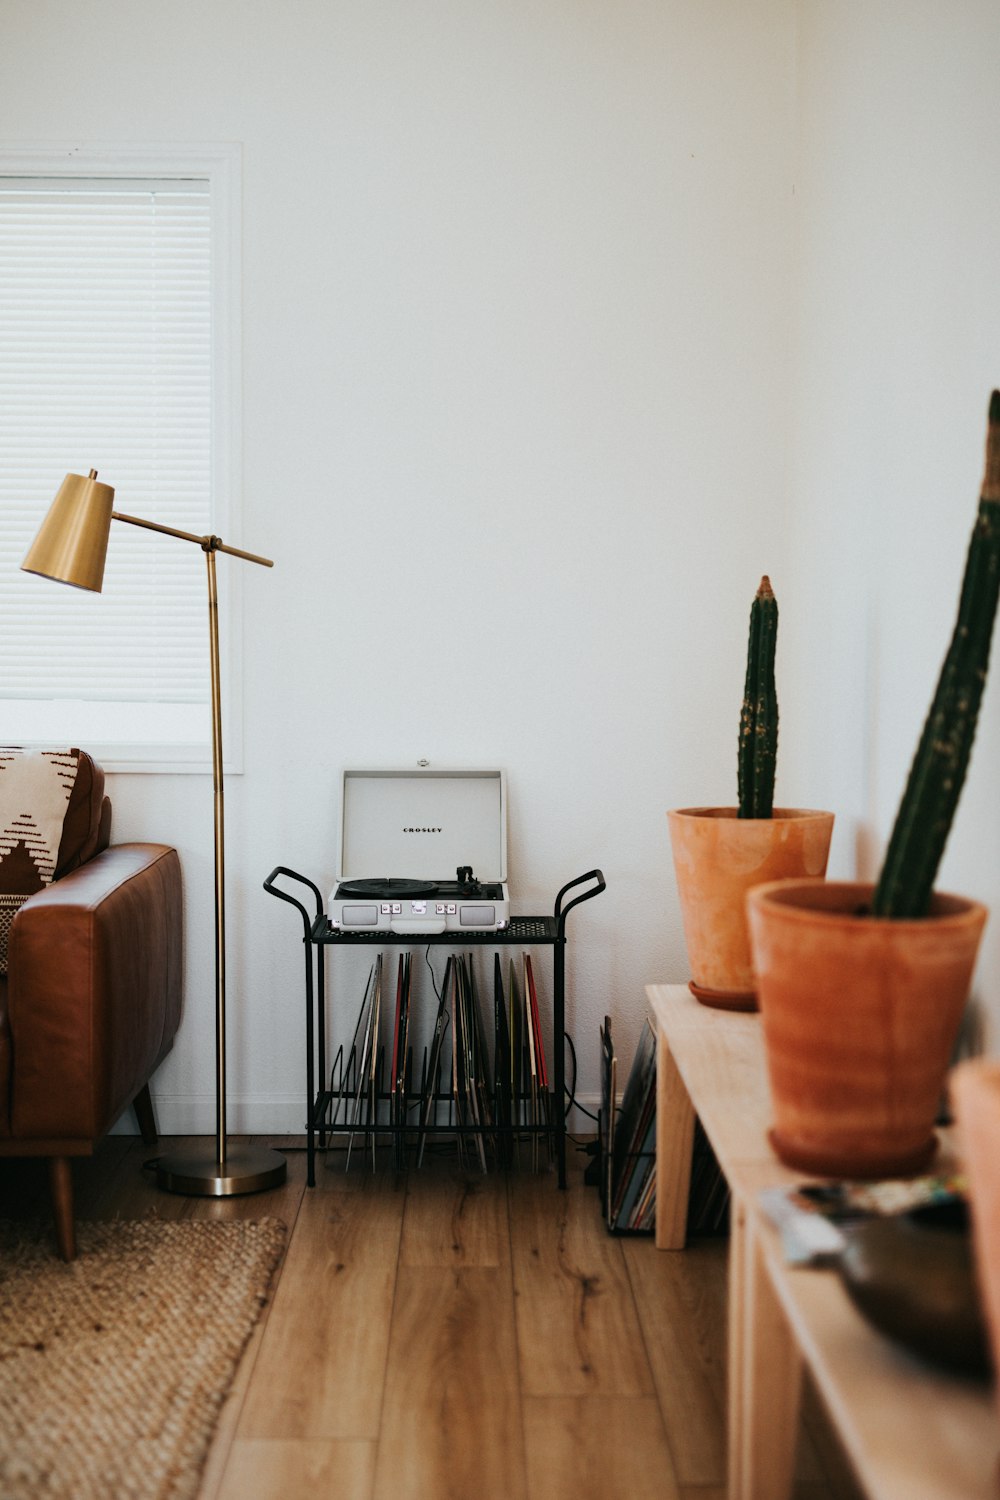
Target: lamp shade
(73,539)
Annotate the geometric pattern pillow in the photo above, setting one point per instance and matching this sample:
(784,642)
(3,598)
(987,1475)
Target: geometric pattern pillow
(35,789)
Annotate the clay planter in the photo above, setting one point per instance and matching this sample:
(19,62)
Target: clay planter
(717,858)
(975,1098)
(859,1016)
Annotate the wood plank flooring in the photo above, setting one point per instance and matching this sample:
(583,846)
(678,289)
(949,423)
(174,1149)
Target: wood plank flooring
(443,1335)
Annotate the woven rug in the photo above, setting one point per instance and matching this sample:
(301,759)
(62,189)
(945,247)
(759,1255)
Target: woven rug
(114,1368)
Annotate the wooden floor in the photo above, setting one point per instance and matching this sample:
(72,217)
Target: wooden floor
(441,1335)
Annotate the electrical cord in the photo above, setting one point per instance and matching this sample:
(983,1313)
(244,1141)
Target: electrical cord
(571,1100)
(427,961)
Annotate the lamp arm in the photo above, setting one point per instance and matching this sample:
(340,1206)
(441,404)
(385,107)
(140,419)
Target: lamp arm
(207,543)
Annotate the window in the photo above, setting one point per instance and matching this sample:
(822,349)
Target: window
(117,352)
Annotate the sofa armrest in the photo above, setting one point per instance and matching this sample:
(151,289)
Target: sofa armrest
(94,990)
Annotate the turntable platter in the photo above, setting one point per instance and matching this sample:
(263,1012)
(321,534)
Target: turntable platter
(387,888)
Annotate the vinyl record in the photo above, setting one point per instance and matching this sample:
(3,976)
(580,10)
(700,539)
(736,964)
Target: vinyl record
(387,887)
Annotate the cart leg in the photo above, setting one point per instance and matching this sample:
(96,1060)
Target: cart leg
(321,1029)
(559,1053)
(310,1072)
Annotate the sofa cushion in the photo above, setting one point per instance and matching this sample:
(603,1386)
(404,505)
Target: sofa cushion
(36,793)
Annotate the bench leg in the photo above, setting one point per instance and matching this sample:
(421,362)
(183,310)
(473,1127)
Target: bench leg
(61,1189)
(764,1375)
(145,1115)
(674,1140)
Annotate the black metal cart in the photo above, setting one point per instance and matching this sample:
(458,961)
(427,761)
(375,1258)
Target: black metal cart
(522,931)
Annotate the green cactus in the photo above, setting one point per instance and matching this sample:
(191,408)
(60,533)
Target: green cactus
(927,809)
(759,715)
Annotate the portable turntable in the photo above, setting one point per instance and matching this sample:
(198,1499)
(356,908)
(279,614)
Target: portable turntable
(422,852)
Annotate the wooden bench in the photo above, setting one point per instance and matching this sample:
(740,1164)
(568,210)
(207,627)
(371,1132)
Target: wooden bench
(910,1432)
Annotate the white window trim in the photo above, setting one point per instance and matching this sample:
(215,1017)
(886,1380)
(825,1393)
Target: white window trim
(221,166)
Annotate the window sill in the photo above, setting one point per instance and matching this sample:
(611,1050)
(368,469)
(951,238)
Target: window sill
(154,738)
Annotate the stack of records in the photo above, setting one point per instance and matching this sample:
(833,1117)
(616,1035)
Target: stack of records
(627,1143)
(607,1118)
(632,1189)
(491,1091)
(708,1197)
(470,1096)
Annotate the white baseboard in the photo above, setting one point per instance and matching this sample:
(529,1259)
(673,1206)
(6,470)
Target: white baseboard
(274,1114)
(246,1114)
(577,1122)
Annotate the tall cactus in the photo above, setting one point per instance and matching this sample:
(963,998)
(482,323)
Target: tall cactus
(927,809)
(759,715)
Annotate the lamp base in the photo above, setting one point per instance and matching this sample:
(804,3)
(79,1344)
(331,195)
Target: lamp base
(246,1169)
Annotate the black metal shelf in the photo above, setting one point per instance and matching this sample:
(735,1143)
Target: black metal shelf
(523,930)
(503,1141)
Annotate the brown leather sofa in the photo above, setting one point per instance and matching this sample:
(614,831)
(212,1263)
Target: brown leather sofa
(92,997)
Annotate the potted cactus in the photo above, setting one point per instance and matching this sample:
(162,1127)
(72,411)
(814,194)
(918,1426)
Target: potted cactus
(862,987)
(720,852)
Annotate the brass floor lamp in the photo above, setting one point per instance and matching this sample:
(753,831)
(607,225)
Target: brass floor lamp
(70,547)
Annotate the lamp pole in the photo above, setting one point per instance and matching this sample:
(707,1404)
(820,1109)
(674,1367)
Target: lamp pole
(220,864)
(233,1169)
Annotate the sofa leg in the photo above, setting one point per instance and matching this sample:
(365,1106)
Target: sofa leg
(145,1115)
(61,1188)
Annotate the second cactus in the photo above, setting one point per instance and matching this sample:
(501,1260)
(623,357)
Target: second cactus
(938,772)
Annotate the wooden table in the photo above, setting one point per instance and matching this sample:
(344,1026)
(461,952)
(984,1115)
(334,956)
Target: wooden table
(910,1432)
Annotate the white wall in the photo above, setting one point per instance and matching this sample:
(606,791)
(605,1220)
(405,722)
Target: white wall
(535,305)
(898,349)
(516,340)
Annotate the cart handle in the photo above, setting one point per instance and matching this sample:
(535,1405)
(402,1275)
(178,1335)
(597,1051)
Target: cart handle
(269,886)
(561,912)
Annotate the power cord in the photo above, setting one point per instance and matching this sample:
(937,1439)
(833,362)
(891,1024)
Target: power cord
(571,1100)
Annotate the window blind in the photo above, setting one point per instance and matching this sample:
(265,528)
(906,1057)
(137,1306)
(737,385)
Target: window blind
(106,363)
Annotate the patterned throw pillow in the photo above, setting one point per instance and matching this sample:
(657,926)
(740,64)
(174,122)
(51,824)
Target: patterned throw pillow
(35,789)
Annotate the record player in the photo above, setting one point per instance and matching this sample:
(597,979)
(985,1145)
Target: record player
(422,852)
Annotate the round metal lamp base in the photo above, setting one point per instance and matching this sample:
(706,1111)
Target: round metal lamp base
(246,1169)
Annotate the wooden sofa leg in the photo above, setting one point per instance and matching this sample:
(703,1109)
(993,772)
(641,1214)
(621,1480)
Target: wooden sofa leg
(145,1115)
(61,1188)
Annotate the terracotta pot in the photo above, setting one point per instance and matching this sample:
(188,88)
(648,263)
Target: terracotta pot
(859,1016)
(717,858)
(975,1098)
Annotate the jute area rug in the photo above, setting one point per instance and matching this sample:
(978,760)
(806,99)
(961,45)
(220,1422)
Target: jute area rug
(114,1368)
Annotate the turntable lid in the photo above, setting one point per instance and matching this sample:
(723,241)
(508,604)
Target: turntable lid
(423,825)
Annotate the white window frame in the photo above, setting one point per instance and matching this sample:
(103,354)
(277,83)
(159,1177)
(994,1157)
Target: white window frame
(116,744)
